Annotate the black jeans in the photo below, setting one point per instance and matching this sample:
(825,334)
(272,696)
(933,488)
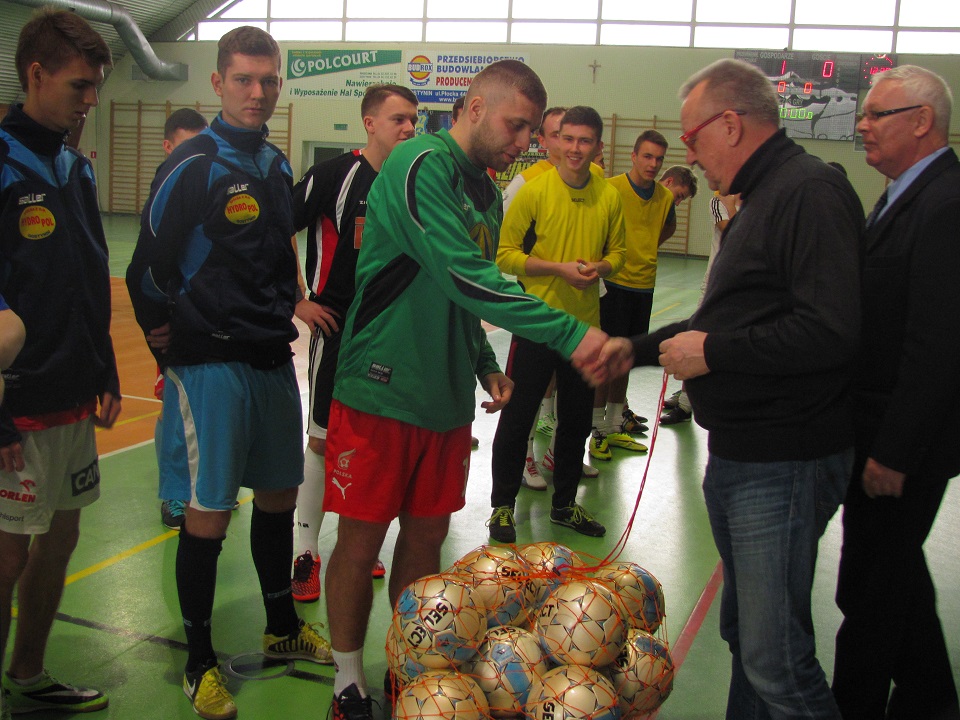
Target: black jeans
(530,366)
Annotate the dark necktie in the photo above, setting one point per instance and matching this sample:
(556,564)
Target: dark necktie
(877,209)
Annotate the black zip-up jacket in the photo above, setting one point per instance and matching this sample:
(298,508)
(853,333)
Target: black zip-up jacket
(781,313)
(214,257)
(54,274)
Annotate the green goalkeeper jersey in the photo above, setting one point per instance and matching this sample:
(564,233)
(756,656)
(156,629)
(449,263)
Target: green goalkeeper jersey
(413,347)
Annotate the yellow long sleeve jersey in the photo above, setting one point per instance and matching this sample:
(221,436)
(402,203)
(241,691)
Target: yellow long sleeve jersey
(552,221)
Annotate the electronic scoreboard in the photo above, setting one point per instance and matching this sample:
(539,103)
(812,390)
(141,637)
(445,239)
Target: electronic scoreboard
(818,91)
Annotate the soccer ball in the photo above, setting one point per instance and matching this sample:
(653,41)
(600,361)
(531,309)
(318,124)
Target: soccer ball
(441,695)
(438,621)
(550,563)
(501,583)
(510,661)
(643,673)
(401,664)
(573,692)
(580,623)
(638,590)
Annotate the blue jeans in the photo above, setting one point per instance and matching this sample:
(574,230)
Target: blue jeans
(767,519)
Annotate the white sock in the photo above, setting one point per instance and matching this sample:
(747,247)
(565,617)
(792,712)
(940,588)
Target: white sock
(684,401)
(310,503)
(27,681)
(614,416)
(349,672)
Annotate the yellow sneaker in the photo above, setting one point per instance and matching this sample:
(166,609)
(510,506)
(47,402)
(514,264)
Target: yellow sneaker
(207,691)
(622,440)
(306,644)
(598,446)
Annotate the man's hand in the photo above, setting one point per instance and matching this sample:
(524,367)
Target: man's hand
(682,355)
(579,274)
(109,410)
(879,480)
(11,458)
(615,359)
(159,338)
(318,318)
(500,389)
(588,350)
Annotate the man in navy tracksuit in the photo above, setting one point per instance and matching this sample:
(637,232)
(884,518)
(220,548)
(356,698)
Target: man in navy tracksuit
(213,282)
(54,274)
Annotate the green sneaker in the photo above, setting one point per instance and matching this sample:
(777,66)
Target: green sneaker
(48,693)
(208,692)
(305,644)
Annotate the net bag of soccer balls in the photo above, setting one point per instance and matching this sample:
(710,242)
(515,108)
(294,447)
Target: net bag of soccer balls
(534,631)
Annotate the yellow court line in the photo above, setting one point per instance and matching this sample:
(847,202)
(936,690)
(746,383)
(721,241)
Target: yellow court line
(86,572)
(118,423)
(121,556)
(663,310)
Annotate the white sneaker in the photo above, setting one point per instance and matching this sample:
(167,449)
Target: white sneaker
(548,464)
(531,475)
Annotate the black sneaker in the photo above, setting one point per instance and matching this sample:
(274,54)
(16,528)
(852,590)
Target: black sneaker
(391,689)
(502,526)
(576,517)
(676,416)
(348,705)
(172,514)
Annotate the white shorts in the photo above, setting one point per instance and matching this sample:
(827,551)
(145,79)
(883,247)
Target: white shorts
(61,472)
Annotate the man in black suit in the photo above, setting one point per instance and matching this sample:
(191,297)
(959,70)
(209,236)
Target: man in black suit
(906,449)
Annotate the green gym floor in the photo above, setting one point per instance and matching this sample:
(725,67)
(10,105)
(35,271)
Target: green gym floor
(119,625)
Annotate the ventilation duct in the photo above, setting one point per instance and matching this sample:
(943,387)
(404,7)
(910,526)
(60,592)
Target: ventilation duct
(128,30)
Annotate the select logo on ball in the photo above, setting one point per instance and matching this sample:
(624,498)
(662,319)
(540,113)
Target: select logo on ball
(37,222)
(242,209)
(420,69)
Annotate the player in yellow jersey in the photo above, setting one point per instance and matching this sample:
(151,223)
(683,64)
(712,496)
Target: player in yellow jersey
(650,218)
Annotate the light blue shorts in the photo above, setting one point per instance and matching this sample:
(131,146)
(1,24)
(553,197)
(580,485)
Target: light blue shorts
(227,425)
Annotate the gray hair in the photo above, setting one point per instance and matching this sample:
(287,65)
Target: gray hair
(737,85)
(925,87)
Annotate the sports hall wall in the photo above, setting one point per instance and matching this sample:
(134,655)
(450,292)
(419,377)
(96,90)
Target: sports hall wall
(629,82)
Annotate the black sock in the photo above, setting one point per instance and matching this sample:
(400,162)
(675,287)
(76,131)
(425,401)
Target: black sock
(196,584)
(271,544)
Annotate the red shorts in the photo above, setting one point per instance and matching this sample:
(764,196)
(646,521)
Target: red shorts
(378,467)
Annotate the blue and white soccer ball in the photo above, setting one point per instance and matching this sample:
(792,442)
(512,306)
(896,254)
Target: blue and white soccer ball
(400,662)
(438,621)
(573,692)
(639,591)
(510,661)
(500,582)
(441,695)
(551,564)
(581,623)
(642,674)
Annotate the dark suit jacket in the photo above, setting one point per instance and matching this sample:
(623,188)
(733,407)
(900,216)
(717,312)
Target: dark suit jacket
(907,388)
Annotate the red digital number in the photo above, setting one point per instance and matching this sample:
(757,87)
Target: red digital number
(783,68)
(808,88)
(827,69)
(781,87)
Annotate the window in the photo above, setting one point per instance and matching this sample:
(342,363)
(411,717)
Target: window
(923,26)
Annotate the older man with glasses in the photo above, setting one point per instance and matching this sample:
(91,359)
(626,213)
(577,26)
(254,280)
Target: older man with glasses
(767,357)
(906,449)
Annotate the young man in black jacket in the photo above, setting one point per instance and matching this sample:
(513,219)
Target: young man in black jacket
(54,274)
